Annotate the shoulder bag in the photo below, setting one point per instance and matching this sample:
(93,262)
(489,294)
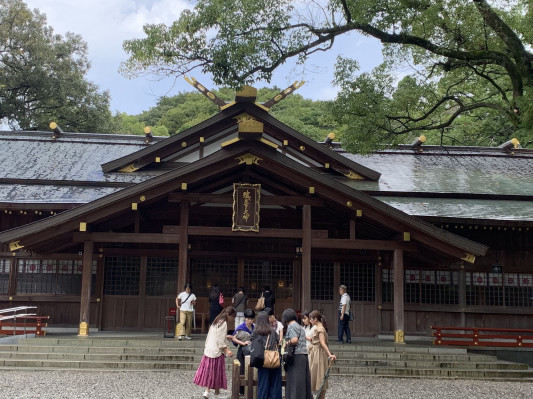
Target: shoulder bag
(260,303)
(288,354)
(272,360)
(257,352)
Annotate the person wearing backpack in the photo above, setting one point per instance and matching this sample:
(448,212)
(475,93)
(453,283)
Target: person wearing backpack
(239,301)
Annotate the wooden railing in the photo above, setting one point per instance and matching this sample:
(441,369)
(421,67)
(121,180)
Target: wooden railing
(17,321)
(474,336)
(248,380)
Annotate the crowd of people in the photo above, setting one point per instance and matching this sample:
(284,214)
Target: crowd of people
(306,373)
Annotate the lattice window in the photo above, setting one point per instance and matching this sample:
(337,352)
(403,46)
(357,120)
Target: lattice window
(360,280)
(161,276)
(36,276)
(439,287)
(387,285)
(278,275)
(5,267)
(499,289)
(122,275)
(322,288)
(518,289)
(208,271)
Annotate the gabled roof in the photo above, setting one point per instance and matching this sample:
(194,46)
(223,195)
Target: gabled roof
(258,161)
(224,126)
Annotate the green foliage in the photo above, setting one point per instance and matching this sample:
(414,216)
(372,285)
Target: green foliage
(453,70)
(42,75)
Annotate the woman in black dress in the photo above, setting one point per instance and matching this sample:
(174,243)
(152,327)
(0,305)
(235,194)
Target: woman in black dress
(214,305)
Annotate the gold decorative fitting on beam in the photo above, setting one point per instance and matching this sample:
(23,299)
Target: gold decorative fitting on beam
(184,144)
(202,139)
(184,186)
(469,258)
(129,168)
(217,101)
(359,213)
(249,159)
(247,94)
(406,236)
(157,159)
(311,190)
(326,166)
(56,129)
(248,124)
(268,142)
(15,245)
(280,96)
(353,176)
(229,142)
(302,148)
(142,198)
(349,203)
(285,142)
(83,226)
(133,206)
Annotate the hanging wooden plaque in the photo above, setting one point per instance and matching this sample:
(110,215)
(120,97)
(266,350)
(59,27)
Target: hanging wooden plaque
(246,199)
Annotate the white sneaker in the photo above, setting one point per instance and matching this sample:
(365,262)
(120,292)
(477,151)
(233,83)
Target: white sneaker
(221,396)
(207,395)
(188,337)
(179,337)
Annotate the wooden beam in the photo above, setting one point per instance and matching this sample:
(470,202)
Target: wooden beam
(152,238)
(226,232)
(340,243)
(284,200)
(306,257)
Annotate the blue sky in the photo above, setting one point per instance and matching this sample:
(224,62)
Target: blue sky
(105,24)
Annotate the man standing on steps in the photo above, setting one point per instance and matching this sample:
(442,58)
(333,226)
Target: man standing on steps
(344,315)
(185,305)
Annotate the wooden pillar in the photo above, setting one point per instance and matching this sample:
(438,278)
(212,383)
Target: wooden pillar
(183,256)
(142,292)
(306,257)
(85,301)
(398,297)
(12,286)
(462,294)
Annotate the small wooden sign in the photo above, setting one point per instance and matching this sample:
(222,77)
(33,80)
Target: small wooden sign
(246,205)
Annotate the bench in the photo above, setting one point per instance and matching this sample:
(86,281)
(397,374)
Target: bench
(248,380)
(474,336)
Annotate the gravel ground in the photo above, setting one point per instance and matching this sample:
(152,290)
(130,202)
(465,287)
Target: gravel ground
(17,384)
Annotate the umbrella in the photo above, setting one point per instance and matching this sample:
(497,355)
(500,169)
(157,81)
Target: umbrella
(326,376)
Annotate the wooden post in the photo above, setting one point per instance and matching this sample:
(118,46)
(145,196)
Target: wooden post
(85,301)
(235,379)
(398,297)
(183,246)
(462,294)
(306,258)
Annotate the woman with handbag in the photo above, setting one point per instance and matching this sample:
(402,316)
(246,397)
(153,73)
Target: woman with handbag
(242,338)
(298,376)
(211,373)
(319,353)
(268,379)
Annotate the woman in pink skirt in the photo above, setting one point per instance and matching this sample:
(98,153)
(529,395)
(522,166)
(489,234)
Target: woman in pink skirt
(211,373)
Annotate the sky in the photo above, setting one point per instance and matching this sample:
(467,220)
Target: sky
(105,24)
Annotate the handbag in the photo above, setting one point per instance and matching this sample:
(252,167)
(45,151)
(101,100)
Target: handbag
(351,317)
(221,300)
(272,360)
(289,352)
(260,303)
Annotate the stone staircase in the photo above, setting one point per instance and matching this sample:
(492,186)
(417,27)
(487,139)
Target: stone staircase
(382,359)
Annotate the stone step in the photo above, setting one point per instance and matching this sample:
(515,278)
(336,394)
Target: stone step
(501,365)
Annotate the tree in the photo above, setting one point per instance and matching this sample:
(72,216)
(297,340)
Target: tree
(469,60)
(42,75)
